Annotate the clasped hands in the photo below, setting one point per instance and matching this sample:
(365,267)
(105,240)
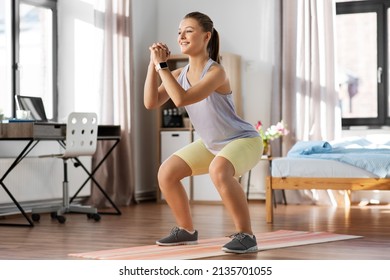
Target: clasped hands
(159,52)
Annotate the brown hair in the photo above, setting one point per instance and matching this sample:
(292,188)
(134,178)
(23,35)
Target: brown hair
(208,26)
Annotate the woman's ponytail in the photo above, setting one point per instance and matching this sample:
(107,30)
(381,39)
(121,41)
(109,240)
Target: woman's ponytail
(213,46)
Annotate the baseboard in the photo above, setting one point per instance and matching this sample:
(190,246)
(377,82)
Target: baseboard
(7,209)
(146,196)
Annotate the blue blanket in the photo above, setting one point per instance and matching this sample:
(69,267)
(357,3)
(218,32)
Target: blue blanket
(360,152)
(309,148)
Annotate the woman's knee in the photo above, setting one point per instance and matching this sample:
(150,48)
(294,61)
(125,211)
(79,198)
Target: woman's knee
(171,171)
(221,170)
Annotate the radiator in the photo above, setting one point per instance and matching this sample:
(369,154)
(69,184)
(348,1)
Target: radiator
(35,180)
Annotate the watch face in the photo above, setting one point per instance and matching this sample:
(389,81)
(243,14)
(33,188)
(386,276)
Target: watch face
(163,65)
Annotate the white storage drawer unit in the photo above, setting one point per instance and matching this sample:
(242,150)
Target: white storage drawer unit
(171,141)
(203,188)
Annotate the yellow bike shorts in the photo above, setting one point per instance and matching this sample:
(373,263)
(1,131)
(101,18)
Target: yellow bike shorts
(243,153)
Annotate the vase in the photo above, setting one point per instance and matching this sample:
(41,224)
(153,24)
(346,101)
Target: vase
(267,148)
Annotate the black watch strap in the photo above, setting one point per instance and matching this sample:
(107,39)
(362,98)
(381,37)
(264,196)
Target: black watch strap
(161,65)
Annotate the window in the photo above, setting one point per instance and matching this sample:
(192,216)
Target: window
(28,53)
(362,59)
(6,98)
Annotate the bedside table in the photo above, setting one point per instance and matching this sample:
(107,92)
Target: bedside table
(269,158)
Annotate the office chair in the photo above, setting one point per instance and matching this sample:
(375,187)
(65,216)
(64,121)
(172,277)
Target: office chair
(81,138)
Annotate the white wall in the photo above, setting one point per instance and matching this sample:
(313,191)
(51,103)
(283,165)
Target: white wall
(145,146)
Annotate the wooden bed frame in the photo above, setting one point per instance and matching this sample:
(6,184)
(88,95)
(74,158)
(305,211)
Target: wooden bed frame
(305,183)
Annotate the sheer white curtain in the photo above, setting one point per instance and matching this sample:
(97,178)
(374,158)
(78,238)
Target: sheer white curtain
(306,87)
(309,87)
(116,175)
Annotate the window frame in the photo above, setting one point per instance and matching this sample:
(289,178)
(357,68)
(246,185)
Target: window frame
(15,85)
(380,7)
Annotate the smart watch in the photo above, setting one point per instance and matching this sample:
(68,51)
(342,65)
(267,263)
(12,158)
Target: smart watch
(161,65)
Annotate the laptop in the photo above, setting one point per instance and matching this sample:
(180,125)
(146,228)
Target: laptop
(34,105)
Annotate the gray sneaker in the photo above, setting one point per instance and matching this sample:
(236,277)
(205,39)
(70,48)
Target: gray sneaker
(179,237)
(241,243)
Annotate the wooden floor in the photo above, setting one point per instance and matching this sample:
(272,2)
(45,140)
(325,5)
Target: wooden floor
(143,223)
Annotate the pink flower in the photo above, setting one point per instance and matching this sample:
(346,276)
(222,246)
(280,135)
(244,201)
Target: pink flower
(259,125)
(273,132)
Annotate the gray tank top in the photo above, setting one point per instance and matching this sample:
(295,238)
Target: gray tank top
(214,118)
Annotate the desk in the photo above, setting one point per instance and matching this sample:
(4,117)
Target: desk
(33,132)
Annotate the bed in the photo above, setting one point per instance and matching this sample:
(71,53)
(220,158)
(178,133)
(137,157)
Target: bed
(351,164)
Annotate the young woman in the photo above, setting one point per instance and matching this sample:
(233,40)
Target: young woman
(228,147)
